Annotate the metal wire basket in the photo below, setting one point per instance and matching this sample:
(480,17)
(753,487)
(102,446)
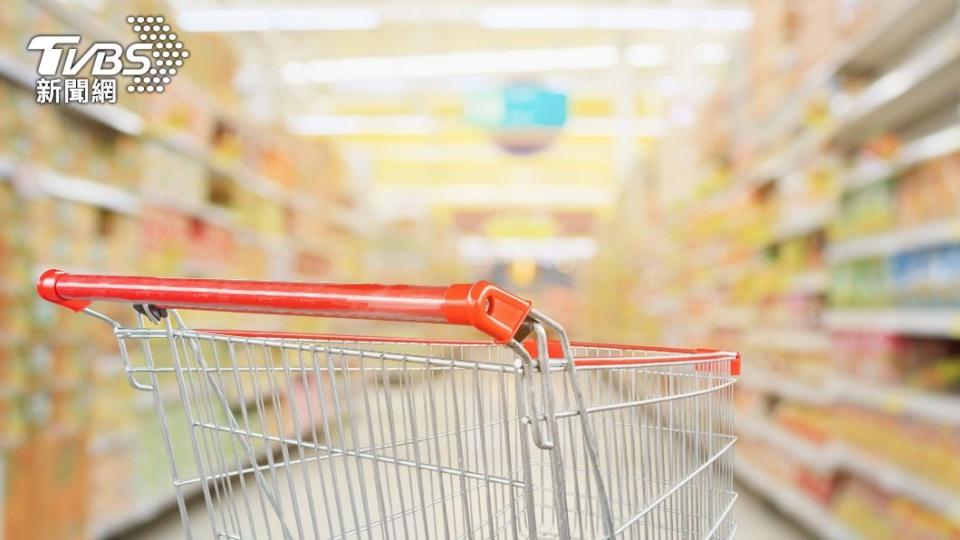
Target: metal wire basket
(318,436)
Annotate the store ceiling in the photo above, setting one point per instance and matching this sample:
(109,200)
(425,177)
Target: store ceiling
(389,79)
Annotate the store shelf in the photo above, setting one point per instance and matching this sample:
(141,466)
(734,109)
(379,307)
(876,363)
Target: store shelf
(88,192)
(7,169)
(807,283)
(928,77)
(249,180)
(930,406)
(896,241)
(888,30)
(944,323)
(789,339)
(112,116)
(124,201)
(802,223)
(785,161)
(822,458)
(784,386)
(934,145)
(68,188)
(791,501)
(16,72)
(111,442)
(130,123)
(835,455)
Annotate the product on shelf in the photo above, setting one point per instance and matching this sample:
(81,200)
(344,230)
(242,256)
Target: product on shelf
(862,283)
(866,211)
(78,445)
(929,191)
(874,514)
(920,448)
(928,277)
(927,364)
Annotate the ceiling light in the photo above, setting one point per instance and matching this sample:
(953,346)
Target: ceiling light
(723,20)
(645,55)
(543,250)
(334,124)
(640,18)
(532,18)
(712,53)
(612,18)
(294,19)
(451,64)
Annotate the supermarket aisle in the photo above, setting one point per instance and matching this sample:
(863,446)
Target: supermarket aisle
(755,522)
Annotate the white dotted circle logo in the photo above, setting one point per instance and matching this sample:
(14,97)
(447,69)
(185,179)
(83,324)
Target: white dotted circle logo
(168,51)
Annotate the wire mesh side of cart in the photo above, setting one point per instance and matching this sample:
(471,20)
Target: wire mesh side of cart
(304,437)
(663,424)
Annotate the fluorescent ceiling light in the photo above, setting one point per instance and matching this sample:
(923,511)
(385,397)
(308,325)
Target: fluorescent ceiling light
(451,64)
(665,19)
(712,53)
(555,249)
(532,18)
(257,20)
(639,18)
(645,55)
(333,124)
(492,195)
(724,20)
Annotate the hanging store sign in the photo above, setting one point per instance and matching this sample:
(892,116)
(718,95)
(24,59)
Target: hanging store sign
(523,117)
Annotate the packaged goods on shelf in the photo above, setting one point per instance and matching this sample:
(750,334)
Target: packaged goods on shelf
(258,214)
(173,175)
(21,20)
(866,211)
(17,106)
(875,514)
(213,67)
(860,283)
(926,277)
(112,486)
(896,359)
(47,476)
(915,448)
(311,264)
(13,398)
(164,236)
(248,261)
(930,191)
(209,246)
(179,112)
(923,194)
(792,366)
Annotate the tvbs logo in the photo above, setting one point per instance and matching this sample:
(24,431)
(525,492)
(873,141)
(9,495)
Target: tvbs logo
(149,64)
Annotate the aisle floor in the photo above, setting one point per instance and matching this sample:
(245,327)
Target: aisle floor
(755,519)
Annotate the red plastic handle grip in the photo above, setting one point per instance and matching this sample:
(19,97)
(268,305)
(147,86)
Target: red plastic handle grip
(482,305)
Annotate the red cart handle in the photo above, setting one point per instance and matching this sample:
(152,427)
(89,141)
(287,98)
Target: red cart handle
(482,305)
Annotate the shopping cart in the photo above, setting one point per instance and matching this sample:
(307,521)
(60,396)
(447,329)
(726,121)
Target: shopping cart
(288,435)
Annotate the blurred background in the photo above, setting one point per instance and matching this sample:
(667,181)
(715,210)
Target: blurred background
(777,177)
